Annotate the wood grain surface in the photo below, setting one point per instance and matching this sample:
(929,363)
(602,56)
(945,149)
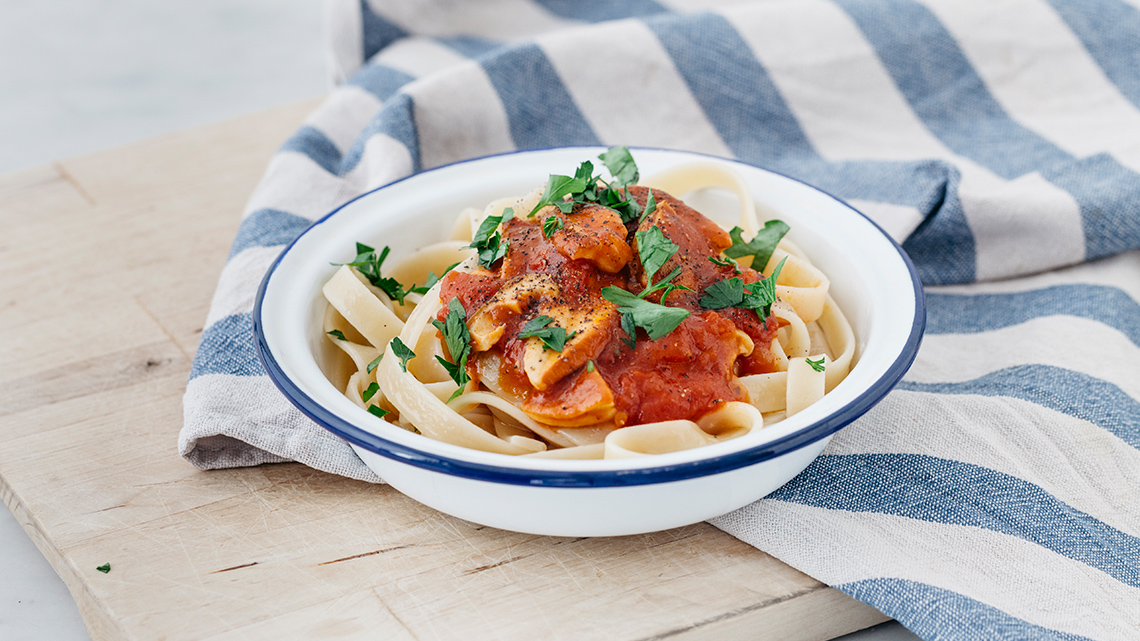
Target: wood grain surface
(107,266)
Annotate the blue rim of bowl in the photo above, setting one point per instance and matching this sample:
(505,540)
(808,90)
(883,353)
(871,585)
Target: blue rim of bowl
(593,478)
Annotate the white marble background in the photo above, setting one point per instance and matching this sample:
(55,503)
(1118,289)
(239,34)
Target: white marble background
(78,76)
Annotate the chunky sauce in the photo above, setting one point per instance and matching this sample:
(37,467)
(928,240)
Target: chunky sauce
(598,377)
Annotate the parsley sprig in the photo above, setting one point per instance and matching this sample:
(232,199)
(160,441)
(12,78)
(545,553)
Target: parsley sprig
(551,225)
(587,187)
(761,246)
(732,292)
(654,250)
(656,320)
(554,338)
(488,242)
(368,262)
(402,352)
(458,341)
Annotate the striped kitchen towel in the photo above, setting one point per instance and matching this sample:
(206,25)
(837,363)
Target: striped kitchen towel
(996,493)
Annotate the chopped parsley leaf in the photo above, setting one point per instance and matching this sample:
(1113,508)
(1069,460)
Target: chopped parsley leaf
(590,366)
(369,392)
(761,246)
(655,250)
(369,263)
(488,242)
(761,294)
(337,334)
(105,568)
(432,279)
(630,330)
(650,207)
(726,262)
(554,338)
(724,293)
(621,165)
(656,320)
(584,187)
(551,225)
(374,363)
(458,341)
(402,352)
(732,292)
(816,365)
(377,411)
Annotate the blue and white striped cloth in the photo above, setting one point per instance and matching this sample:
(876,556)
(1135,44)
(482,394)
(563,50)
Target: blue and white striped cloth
(996,493)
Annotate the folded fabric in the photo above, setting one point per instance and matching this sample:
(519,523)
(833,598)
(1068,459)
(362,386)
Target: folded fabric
(996,493)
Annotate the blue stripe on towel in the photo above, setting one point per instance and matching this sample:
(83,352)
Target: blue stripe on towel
(379,80)
(936,613)
(314,144)
(1105,191)
(397,120)
(1078,395)
(540,109)
(378,31)
(945,91)
(599,10)
(267,228)
(973,313)
(470,46)
(744,104)
(227,348)
(953,102)
(942,491)
(1108,29)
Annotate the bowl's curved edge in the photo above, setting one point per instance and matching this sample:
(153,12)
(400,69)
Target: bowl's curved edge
(594,478)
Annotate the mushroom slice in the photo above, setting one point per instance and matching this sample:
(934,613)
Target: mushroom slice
(593,233)
(589,322)
(488,324)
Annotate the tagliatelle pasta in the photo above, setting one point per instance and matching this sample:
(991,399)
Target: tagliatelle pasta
(591,319)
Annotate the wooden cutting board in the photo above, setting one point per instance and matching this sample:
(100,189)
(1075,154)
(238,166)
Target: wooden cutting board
(107,266)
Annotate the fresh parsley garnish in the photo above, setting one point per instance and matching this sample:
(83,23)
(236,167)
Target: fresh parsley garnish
(432,279)
(105,568)
(337,334)
(373,364)
(589,366)
(554,338)
(402,352)
(620,163)
(761,246)
(726,262)
(732,292)
(724,293)
(377,411)
(650,207)
(654,250)
(816,365)
(488,242)
(369,263)
(458,341)
(369,392)
(656,320)
(551,225)
(586,187)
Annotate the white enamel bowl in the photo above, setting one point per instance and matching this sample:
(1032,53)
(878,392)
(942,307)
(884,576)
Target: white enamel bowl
(871,279)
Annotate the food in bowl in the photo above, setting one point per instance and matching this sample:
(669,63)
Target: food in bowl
(591,318)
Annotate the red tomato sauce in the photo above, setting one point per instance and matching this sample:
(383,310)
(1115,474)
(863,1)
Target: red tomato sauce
(682,375)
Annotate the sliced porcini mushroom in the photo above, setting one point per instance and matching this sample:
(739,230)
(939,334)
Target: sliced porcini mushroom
(587,400)
(488,324)
(588,323)
(593,233)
